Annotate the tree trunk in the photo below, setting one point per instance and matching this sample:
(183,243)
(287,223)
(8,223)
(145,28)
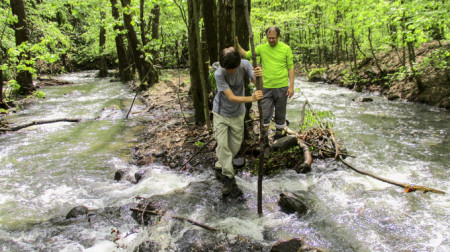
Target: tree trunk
(156,13)
(196,88)
(147,74)
(124,63)
(210,20)
(373,52)
(242,33)
(24,78)
(142,20)
(201,65)
(103,69)
(226,31)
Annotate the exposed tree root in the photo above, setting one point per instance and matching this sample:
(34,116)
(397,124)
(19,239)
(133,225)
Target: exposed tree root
(37,123)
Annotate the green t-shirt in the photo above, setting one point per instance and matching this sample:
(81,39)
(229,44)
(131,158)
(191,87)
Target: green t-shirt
(276,61)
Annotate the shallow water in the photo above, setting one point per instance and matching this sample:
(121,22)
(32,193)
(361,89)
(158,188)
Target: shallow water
(48,169)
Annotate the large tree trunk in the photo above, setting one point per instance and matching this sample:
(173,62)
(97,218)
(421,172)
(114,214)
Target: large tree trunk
(196,88)
(103,69)
(226,21)
(124,63)
(210,20)
(147,73)
(24,78)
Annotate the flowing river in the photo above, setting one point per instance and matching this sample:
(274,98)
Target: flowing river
(48,169)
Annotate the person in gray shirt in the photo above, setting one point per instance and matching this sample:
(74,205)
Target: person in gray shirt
(229,113)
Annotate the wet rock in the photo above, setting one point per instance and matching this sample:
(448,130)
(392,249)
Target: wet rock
(292,245)
(366,99)
(77,211)
(285,143)
(147,246)
(119,175)
(239,162)
(291,203)
(202,240)
(393,97)
(138,176)
(160,154)
(303,168)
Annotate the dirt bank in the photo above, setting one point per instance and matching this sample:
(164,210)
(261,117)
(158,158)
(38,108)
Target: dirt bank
(396,81)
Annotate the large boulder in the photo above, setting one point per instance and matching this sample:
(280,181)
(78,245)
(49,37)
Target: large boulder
(291,203)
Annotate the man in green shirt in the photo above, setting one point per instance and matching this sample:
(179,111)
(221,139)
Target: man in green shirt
(278,77)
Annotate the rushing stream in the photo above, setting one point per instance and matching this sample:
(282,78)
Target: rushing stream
(48,169)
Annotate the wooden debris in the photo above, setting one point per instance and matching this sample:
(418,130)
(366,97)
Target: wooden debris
(39,122)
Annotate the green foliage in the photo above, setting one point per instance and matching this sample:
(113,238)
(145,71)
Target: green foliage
(350,78)
(317,72)
(199,144)
(313,120)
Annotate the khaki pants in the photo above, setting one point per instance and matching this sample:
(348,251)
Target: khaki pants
(229,133)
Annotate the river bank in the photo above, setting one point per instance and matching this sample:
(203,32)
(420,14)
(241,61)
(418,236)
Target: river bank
(387,74)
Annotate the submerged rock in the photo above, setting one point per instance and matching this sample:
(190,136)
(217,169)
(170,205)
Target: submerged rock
(291,203)
(292,245)
(77,211)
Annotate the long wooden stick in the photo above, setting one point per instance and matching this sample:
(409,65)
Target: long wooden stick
(262,132)
(39,122)
(408,188)
(176,217)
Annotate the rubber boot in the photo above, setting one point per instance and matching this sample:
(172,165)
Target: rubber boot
(219,175)
(230,188)
(279,133)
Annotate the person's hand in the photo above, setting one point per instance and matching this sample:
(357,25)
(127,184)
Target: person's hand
(257,71)
(290,91)
(257,95)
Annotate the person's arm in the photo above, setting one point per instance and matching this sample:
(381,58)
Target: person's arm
(257,95)
(290,91)
(240,50)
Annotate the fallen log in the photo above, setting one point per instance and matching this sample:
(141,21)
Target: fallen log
(38,123)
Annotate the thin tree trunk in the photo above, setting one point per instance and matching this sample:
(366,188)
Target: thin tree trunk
(147,73)
(103,69)
(124,63)
(354,49)
(142,21)
(201,66)
(373,52)
(24,78)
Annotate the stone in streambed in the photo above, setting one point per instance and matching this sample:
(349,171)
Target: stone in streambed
(291,203)
(77,211)
(292,245)
(119,175)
